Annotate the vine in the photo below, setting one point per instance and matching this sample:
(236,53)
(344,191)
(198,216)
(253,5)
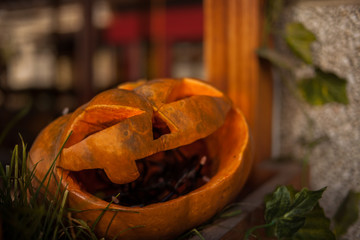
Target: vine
(290,214)
(321,87)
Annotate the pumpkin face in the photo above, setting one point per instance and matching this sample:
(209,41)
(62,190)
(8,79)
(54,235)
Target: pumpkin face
(119,128)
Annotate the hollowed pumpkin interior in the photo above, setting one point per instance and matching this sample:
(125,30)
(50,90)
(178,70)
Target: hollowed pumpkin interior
(163,176)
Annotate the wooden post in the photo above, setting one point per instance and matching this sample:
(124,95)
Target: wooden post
(85,48)
(158,41)
(232,35)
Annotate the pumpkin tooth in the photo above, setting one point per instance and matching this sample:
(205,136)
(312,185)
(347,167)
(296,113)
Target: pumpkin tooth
(114,149)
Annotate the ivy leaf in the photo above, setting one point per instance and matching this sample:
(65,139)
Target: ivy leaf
(323,88)
(316,227)
(278,205)
(304,202)
(347,213)
(299,40)
(288,211)
(286,228)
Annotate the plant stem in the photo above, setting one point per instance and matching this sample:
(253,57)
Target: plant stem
(249,232)
(197,233)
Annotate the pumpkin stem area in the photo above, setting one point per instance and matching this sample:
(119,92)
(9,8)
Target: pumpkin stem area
(163,176)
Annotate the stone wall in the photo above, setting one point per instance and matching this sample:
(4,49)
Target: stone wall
(335,162)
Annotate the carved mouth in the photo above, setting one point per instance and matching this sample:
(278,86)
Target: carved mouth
(163,176)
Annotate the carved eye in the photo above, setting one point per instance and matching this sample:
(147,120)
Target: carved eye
(188,88)
(96,118)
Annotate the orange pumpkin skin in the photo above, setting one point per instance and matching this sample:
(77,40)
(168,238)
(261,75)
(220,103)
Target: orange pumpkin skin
(222,127)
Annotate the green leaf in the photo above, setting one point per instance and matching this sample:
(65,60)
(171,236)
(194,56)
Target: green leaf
(316,227)
(285,228)
(347,213)
(278,205)
(304,202)
(299,40)
(323,88)
(289,211)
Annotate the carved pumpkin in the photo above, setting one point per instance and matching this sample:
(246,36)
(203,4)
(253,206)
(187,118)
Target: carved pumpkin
(137,121)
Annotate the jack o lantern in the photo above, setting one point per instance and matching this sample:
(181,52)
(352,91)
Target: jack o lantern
(173,151)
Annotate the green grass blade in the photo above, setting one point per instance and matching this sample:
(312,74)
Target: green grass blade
(8,172)
(60,215)
(12,162)
(23,173)
(54,210)
(108,227)
(65,231)
(102,214)
(51,168)
(46,189)
(24,156)
(16,172)
(51,215)
(28,184)
(89,232)
(48,220)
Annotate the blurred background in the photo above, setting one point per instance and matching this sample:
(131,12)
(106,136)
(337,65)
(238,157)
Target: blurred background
(56,54)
